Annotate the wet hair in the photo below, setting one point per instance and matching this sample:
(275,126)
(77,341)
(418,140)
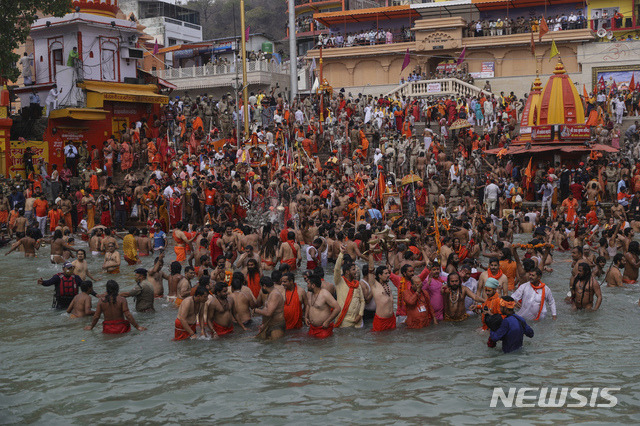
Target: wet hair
(346,266)
(315,280)
(291,236)
(405,268)
(112,291)
(82,250)
(200,291)
(218,287)
(175,267)
(319,272)
(276,275)
(203,281)
(494,259)
(528,265)
(290,276)
(266,282)
(537,271)
(634,247)
(618,257)
(188,269)
(380,270)
(85,286)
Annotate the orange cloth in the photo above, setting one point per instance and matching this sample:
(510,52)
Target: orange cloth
(320,332)
(4,216)
(180,333)
(542,286)
(254,284)
(384,324)
(54,218)
(347,302)
(181,253)
(93,183)
(493,304)
(510,269)
(292,309)
(221,330)
(41,207)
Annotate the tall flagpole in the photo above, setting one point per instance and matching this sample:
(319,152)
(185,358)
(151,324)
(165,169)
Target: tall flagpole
(245,91)
(293,51)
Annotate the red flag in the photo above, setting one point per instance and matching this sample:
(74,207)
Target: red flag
(632,83)
(601,84)
(461,58)
(543,28)
(246,33)
(533,46)
(382,185)
(155,48)
(407,59)
(614,87)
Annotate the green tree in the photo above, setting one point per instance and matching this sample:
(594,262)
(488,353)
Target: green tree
(16,17)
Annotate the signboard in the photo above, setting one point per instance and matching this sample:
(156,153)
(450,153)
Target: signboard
(575,131)
(434,87)
(135,98)
(15,156)
(187,53)
(542,133)
(223,47)
(447,67)
(487,70)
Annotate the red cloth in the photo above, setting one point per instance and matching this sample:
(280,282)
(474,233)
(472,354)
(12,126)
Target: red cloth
(105,219)
(384,324)
(220,330)
(320,332)
(291,263)
(116,327)
(254,284)
(180,333)
(292,309)
(347,302)
(311,265)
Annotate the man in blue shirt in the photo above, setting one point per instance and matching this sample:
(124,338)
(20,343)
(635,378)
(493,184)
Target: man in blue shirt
(159,238)
(512,329)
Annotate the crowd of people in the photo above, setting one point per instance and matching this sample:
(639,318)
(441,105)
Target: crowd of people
(521,25)
(369,37)
(417,228)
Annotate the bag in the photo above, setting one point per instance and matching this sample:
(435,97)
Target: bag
(518,199)
(134,211)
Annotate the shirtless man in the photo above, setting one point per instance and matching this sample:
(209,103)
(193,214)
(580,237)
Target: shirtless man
(21,223)
(156,276)
(273,322)
(81,304)
(190,313)
(454,295)
(445,251)
(182,242)
(632,263)
(323,309)
(183,289)
(583,289)
(243,302)
(228,242)
(220,312)
(175,269)
(614,276)
(80,265)
(351,247)
(108,239)
(95,242)
(243,259)
(384,318)
(289,252)
(145,244)
(115,310)
(28,245)
(111,263)
(220,271)
(494,271)
(201,250)
(58,246)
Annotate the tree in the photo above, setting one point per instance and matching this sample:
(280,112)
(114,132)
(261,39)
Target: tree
(15,24)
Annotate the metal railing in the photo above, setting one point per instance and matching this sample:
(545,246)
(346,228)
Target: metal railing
(223,69)
(437,88)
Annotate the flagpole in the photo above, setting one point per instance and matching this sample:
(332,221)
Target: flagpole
(245,90)
(293,58)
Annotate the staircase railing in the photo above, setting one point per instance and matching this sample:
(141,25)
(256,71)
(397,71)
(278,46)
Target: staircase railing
(437,88)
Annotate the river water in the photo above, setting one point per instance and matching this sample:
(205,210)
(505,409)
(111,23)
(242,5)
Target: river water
(54,372)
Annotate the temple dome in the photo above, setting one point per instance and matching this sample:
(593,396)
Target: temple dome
(531,110)
(107,8)
(560,102)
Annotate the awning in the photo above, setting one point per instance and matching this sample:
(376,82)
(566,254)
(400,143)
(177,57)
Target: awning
(98,92)
(79,113)
(329,19)
(513,4)
(164,83)
(522,149)
(445,8)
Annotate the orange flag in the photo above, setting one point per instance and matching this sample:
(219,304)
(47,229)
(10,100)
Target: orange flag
(543,28)
(382,185)
(528,173)
(585,93)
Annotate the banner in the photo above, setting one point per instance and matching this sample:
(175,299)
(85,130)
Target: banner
(487,70)
(575,131)
(542,133)
(434,87)
(15,156)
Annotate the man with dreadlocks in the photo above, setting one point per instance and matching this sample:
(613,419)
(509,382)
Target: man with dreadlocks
(583,289)
(115,310)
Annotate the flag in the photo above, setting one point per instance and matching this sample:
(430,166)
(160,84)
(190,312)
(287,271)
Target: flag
(543,28)
(246,33)
(528,174)
(316,85)
(533,46)
(407,59)
(155,48)
(554,50)
(613,88)
(313,65)
(585,93)
(461,58)
(382,185)
(632,83)
(601,84)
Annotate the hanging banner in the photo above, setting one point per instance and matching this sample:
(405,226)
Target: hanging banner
(15,156)
(575,131)
(434,87)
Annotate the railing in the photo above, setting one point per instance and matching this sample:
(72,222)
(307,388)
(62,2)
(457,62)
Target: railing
(213,70)
(182,23)
(438,87)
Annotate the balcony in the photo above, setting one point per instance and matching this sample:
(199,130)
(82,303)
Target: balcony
(200,77)
(303,5)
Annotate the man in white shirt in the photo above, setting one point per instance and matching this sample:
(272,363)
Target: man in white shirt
(52,99)
(491,196)
(536,298)
(299,116)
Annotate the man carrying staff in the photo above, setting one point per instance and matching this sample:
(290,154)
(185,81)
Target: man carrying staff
(323,309)
(349,292)
(117,318)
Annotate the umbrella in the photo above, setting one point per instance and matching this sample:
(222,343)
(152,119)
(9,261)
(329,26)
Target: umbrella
(410,178)
(460,123)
